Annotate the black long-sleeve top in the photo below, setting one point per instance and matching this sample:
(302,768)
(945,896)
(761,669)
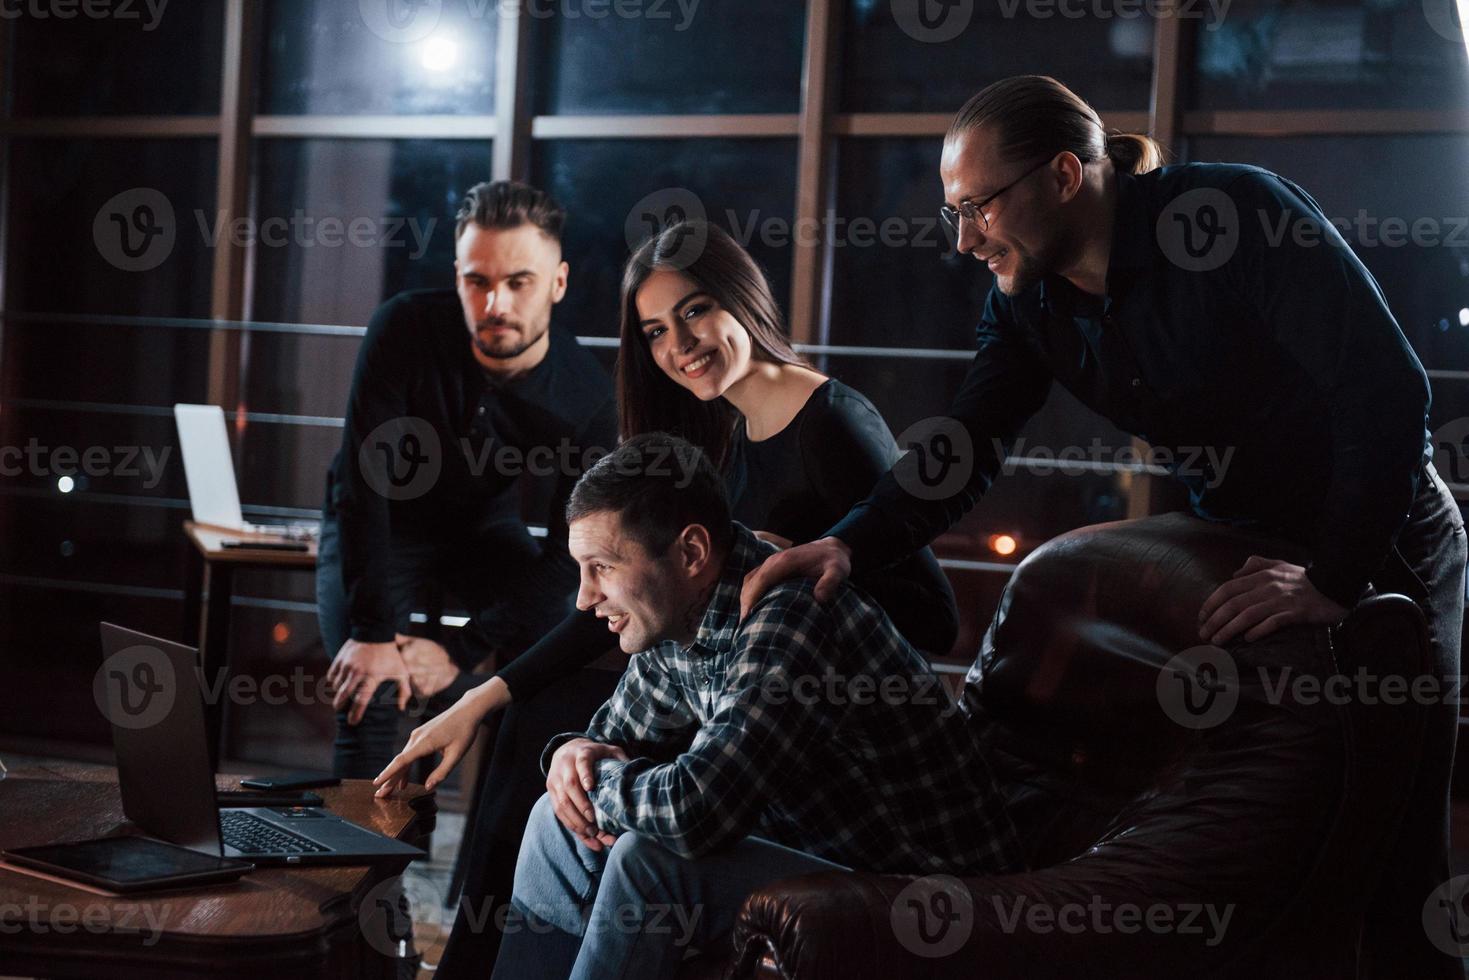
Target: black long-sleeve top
(433,447)
(1235,318)
(794,484)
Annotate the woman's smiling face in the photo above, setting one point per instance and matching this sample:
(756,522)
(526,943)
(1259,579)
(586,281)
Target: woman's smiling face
(693,340)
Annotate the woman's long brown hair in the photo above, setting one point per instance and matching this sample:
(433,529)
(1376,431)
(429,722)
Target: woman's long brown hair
(649,400)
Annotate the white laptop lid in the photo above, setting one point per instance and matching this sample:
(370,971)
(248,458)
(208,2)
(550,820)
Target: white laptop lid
(208,467)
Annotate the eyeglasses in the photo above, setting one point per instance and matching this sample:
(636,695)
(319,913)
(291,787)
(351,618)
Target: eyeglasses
(975,210)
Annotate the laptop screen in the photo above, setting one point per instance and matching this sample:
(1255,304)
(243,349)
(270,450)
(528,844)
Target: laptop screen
(208,467)
(149,690)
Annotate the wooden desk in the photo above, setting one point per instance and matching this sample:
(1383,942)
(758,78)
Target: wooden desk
(207,622)
(273,923)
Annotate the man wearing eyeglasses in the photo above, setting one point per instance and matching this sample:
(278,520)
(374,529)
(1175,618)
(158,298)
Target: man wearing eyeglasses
(1203,305)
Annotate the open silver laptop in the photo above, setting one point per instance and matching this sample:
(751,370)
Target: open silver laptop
(214,495)
(156,705)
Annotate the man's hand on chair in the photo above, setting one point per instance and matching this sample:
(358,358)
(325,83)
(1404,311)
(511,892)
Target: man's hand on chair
(1262,596)
(358,669)
(570,777)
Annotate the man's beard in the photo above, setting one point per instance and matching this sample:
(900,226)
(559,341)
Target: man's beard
(1029,270)
(508,346)
(1032,267)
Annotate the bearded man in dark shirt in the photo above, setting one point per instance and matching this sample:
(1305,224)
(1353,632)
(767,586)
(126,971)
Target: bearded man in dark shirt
(454,399)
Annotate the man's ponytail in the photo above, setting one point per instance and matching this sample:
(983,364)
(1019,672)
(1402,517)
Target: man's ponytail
(1134,153)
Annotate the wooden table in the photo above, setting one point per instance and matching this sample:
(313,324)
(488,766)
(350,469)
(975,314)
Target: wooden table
(273,923)
(207,621)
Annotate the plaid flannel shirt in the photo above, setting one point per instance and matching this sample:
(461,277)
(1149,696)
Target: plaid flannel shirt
(814,726)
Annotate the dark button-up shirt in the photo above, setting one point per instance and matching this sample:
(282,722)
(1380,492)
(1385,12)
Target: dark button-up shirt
(815,726)
(1240,334)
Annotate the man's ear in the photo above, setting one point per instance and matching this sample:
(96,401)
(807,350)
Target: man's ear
(558,289)
(1070,176)
(695,549)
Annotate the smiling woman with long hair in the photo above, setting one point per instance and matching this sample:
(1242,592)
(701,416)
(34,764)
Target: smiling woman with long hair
(704,355)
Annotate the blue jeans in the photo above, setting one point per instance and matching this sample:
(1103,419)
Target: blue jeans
(630,911)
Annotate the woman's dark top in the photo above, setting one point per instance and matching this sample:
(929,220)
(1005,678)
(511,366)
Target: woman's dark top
(796,484)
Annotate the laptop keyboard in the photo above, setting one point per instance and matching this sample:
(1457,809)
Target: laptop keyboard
(248,834)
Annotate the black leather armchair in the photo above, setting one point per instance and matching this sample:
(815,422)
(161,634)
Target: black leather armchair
(1275,813)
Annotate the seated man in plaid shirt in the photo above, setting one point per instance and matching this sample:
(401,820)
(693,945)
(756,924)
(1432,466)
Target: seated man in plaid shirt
(809,737)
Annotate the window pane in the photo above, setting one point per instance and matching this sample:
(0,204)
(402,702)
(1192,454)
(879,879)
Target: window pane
(378,57)
(899,57)
(400,196)
(110,226)
(1401,202)
(667,57)
(896,279)
(1387,54)
(131,61)
(746,186)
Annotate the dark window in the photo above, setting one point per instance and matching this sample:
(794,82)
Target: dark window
(379,57)
(896,279)
(110,226)
(1387,54)
(130,62)
(400,195)
(922,56)
(667,57)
